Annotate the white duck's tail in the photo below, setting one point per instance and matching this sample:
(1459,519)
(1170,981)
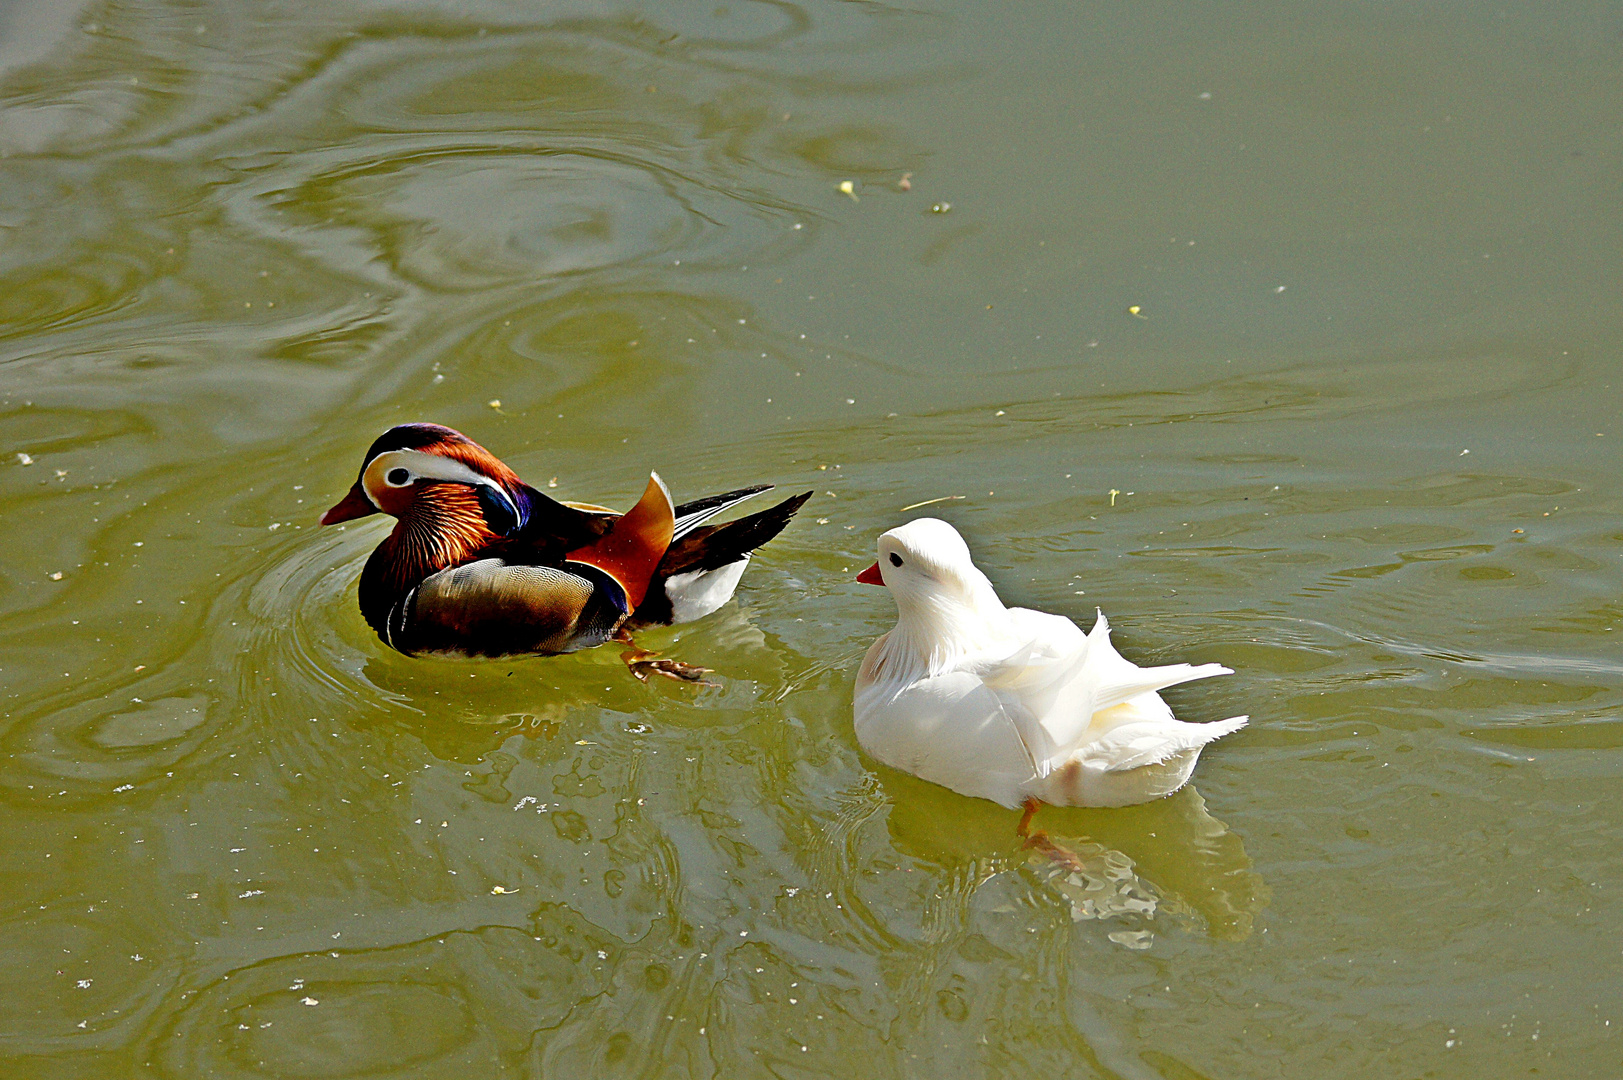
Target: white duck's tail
(1116,679)
(1133,746)
(1218,728)
(1098,678)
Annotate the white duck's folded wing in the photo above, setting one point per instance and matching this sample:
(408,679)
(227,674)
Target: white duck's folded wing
(949,729)
(1063,690)
(1040,671)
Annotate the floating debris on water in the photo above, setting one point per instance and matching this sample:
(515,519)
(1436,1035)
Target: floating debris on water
(930,502)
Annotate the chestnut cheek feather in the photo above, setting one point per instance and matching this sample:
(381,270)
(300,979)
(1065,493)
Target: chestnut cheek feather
(395,501)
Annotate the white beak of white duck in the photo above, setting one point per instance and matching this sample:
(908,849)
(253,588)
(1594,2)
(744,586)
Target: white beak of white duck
(1010,703)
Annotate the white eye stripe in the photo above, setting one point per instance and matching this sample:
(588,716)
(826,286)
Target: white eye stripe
(426,466)
(421,466)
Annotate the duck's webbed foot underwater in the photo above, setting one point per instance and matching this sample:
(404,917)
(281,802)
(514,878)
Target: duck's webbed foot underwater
(1038,840)
(643,663)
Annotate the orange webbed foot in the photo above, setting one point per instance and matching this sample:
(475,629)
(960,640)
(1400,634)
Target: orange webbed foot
(643,663)
(1039,841)
(1023,830)
(671,669)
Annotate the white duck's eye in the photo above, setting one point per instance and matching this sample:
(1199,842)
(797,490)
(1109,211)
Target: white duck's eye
(397,477)
(895,559)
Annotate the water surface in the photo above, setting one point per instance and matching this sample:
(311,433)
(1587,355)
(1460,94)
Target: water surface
(1288,335)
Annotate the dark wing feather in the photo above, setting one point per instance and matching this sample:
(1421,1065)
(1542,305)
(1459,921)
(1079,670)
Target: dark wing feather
(711,547)
(690,516)
(554,529)
(490,608)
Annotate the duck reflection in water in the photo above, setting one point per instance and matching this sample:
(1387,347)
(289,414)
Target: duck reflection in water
(569,698)
(1132,867)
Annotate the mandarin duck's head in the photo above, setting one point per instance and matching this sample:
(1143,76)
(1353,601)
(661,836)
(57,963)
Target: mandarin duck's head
(408,464)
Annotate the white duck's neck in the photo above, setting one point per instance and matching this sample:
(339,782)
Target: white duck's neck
(938,631)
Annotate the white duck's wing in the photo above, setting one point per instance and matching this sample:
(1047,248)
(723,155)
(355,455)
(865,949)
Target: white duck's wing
(951,730)
(1062,678)
(1052,651)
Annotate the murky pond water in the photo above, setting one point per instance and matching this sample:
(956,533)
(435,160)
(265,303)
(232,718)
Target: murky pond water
(1289,334)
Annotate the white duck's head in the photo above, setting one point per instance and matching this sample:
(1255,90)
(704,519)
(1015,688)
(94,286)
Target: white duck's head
(947,608)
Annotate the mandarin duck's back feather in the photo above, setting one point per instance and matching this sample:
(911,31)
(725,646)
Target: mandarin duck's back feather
(703,565)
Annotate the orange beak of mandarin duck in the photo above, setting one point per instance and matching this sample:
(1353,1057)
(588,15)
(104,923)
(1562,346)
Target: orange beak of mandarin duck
(869,576)
(351,506)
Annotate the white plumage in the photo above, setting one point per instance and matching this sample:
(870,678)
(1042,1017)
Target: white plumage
(1008,703)
(699,592)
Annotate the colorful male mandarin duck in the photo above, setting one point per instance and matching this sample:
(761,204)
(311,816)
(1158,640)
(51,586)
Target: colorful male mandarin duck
(1010,704)
(482,564)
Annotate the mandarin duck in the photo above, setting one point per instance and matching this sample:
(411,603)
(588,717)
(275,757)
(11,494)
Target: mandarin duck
(482,564)
(1010,704)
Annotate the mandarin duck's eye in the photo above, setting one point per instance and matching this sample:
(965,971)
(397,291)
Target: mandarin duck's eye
(398,477)
(895,559)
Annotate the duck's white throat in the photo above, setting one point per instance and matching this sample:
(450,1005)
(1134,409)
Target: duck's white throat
(938,629)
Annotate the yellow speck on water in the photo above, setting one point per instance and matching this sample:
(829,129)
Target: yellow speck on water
(1136,312)
(497,890)
(1113,494)
(494,403)
(848,187)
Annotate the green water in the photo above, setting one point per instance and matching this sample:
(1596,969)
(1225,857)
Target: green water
(1358,441)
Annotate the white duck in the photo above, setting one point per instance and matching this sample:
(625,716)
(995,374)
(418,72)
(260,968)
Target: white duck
(1010,704)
